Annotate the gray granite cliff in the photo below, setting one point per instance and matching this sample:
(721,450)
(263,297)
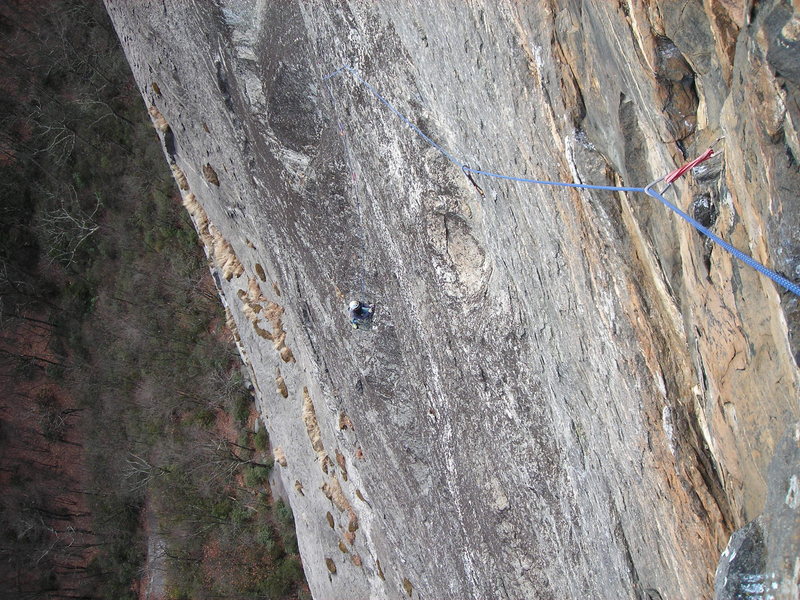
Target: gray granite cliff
(566,393)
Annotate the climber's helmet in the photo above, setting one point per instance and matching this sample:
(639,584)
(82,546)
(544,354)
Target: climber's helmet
(354,305)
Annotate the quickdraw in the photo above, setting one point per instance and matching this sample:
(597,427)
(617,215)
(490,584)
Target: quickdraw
(466,170)
(677,173)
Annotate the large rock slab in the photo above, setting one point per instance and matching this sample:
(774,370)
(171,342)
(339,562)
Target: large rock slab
(565,394)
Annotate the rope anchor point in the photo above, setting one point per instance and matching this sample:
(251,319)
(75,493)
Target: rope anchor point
(466,170)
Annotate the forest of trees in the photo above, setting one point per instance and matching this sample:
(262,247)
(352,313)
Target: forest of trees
(124,416)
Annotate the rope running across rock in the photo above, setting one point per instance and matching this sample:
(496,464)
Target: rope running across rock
(649,189)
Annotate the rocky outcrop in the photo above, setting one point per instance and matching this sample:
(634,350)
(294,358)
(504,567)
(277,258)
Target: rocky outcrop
(566,393)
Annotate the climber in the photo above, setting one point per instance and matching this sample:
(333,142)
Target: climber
(360,313)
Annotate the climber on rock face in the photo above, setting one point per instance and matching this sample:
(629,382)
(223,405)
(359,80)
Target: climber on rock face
(360,313)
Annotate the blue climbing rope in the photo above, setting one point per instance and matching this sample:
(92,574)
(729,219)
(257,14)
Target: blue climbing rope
(780,280)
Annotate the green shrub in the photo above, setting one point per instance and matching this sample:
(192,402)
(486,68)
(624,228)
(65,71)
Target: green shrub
(241,409)
(291,569)
(285,519)
(222,510)
(239,515)
(261,439)
(284,579)
(256,475)
(204,417)
(265,536)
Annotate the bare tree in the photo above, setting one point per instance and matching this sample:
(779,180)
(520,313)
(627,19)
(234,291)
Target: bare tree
(66,227)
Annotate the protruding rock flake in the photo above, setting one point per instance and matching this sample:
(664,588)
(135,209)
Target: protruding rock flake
(408,588)
(159,122)
(563,392)
(330,565)
(280,384)
(180,177)
(260,272)
(345,422)
(309,416)
(333,492)
(210,174)
(280,457)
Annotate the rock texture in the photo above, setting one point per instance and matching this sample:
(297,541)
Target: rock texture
(566,394)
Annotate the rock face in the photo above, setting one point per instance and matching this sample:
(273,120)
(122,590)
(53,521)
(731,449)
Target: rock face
(566,393)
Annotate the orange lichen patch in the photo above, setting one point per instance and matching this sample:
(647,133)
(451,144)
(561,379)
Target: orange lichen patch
(352,523)
(255,309)
(273,312)
(159,122)
(276,289)
(326,464)
(224,256)
(251,312)
(192,206)
(299,487)
(309,417)
(359,453)
(200,218)
(329,518)
(343,547)
(350,537)
(280,384)
(333,491)
(287,355)
(217,247)
(262,332)
(157,91)
(231,325)
(345,422)
(280,456)
(340,460)
(254,293)
(180,177)
(356,560)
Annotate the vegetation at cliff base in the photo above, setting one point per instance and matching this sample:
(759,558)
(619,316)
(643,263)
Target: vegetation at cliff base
(129,442)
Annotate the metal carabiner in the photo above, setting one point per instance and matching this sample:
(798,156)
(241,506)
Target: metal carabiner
(466,170)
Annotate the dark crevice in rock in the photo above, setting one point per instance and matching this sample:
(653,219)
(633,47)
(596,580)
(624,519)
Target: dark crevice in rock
(169,145)
(675,90)
(222,84)
(705,210)
(707,467)
(635,149)
(622,540)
